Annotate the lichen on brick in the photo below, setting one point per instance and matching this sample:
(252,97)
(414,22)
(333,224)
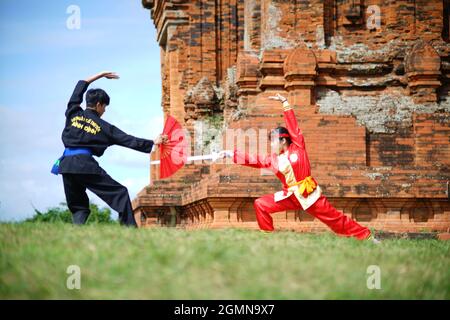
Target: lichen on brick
(271,36)
(378,113)
(208,134)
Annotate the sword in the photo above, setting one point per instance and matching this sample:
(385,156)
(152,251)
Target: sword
(213,156)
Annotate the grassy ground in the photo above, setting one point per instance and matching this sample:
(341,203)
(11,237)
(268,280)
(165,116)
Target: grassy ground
(124,263)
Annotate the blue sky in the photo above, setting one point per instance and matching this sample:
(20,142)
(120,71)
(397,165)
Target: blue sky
(41,60)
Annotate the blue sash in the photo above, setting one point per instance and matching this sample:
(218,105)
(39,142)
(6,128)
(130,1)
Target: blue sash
(67,153)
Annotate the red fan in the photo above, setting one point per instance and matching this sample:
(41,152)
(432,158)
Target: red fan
(173,154)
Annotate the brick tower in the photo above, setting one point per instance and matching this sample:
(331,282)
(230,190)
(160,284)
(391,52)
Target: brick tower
(369,81)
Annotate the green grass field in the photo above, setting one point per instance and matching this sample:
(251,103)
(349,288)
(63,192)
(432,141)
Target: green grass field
(122,263)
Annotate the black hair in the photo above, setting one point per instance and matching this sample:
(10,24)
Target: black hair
(281,130)
(94,96)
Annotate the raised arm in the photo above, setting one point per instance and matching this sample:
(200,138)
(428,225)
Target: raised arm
(291,121)
(103,74)
(77,96)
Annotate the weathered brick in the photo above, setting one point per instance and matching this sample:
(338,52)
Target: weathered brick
(372,103)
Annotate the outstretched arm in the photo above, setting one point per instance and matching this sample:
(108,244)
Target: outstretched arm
(77,96)
(120,138)
(244,159)
(291,121)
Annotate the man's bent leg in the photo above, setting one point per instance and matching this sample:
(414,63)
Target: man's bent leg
(114,194)
(76,198)
(266,205)
(336,220)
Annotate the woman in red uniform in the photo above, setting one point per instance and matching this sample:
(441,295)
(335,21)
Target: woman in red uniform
(300,190)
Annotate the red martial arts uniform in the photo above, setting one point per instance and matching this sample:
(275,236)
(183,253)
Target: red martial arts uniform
(300,190)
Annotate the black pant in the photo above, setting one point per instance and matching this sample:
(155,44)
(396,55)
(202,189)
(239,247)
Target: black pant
(105,187)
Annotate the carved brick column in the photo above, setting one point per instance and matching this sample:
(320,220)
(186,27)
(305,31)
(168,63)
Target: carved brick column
(300,71)
(423,65)
(272,69)
(247,73)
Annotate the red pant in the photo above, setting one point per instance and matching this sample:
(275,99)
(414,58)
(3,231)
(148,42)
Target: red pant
(321,209)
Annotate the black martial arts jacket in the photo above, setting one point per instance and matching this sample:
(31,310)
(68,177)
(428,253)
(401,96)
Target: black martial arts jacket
(85,129)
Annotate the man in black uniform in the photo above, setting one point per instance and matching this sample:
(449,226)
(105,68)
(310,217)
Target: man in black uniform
(86,134)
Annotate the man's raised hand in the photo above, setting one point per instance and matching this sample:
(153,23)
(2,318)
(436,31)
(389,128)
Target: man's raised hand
(110,75)
(103,74)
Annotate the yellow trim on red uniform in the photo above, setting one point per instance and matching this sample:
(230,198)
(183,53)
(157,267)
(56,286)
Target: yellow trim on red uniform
(307,184)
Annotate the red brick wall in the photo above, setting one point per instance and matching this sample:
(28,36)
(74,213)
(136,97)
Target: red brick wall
(372,102)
